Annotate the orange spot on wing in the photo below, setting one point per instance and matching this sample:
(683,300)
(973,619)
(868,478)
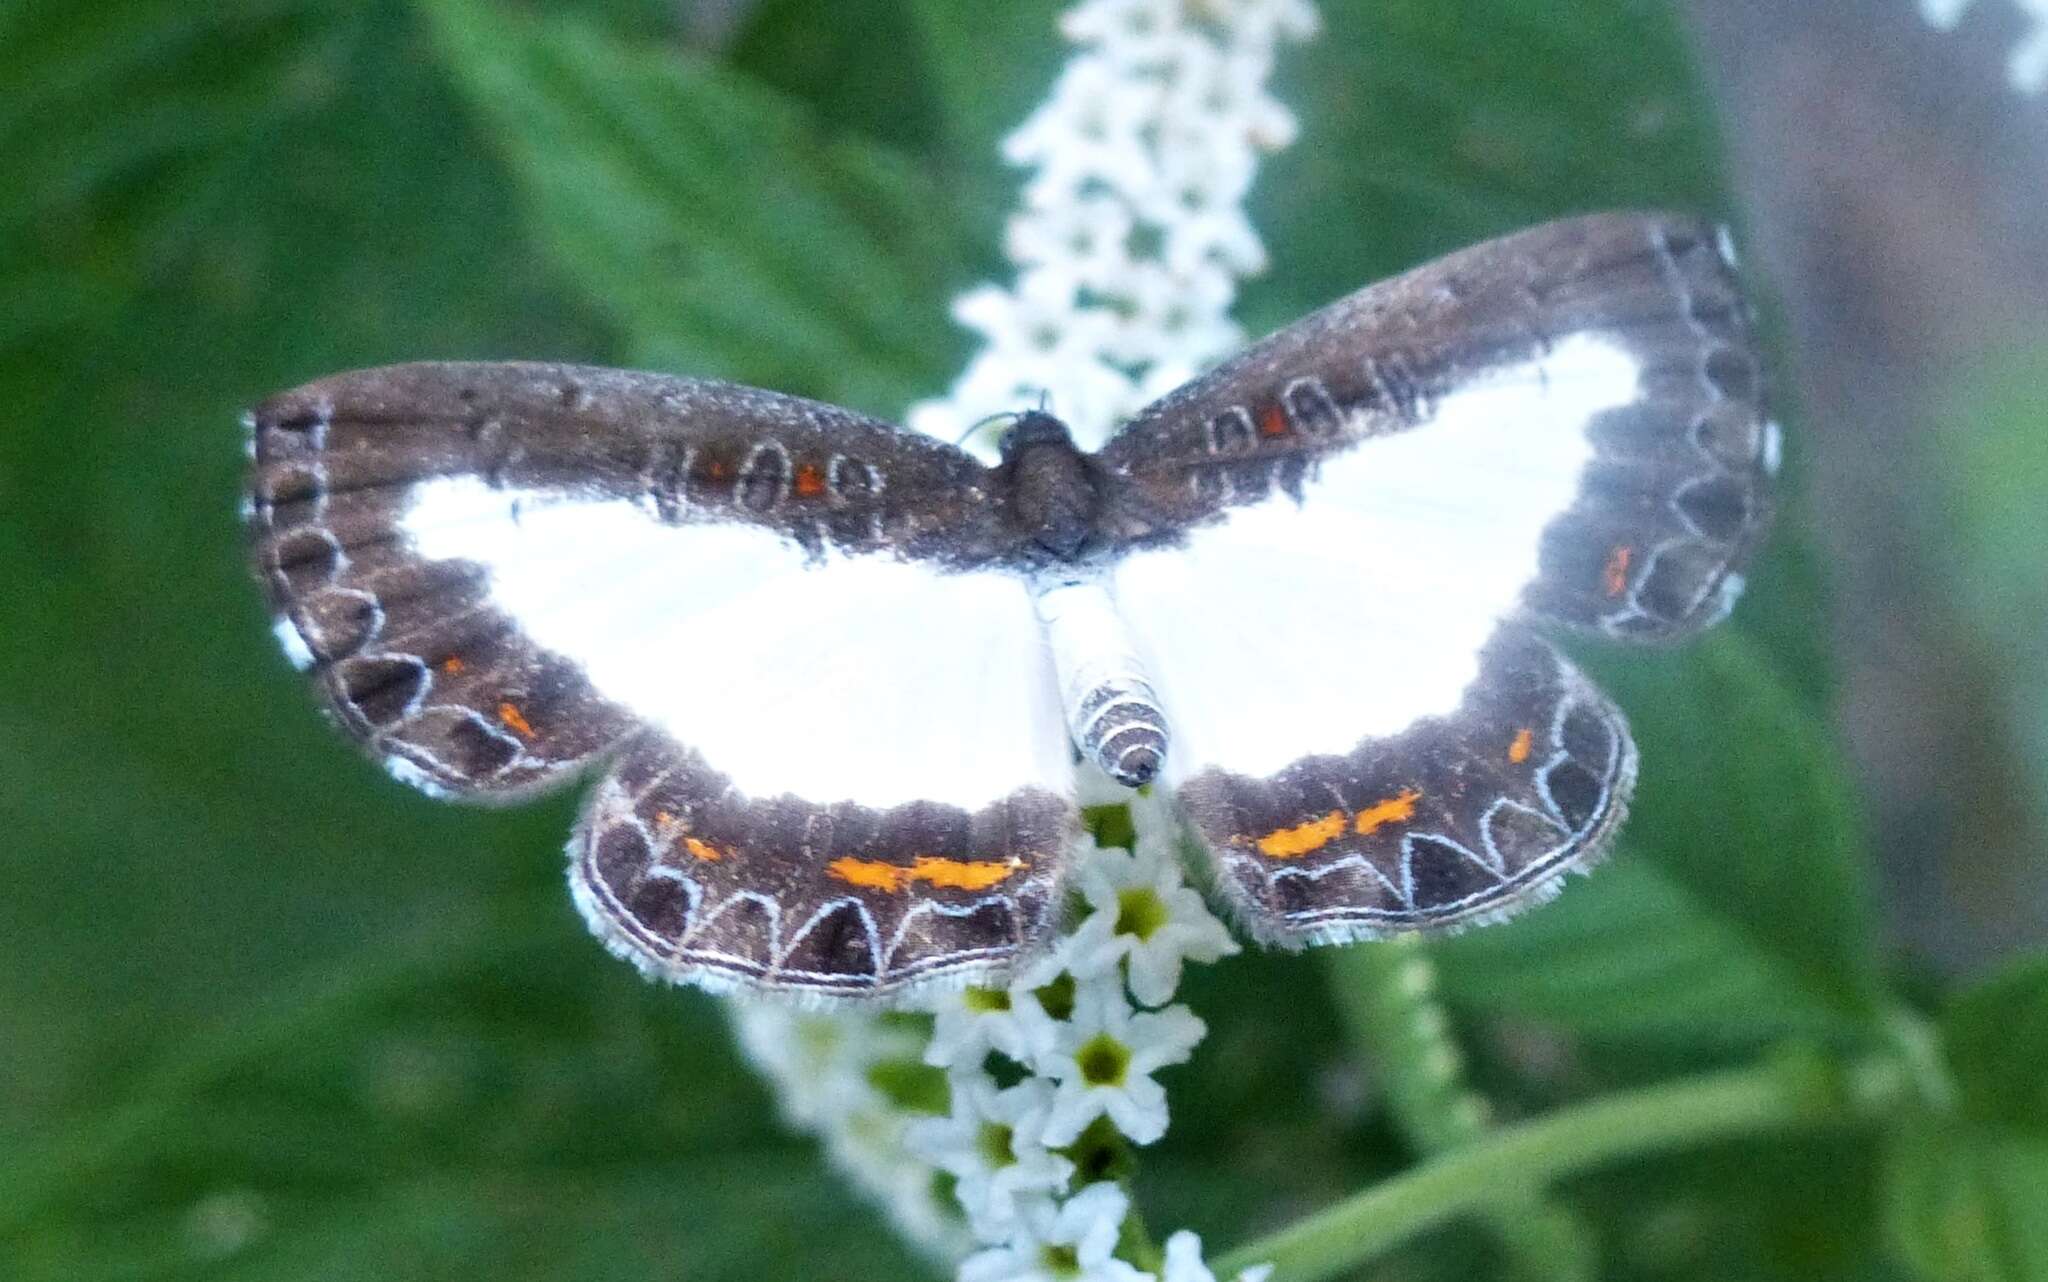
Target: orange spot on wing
(453,666)
(515,720)
(715,469)
(1518,751)
(1395,809)
(1302,839)
(1615,577)
(942,873)
(1273,421)
(703,850)
(810,482)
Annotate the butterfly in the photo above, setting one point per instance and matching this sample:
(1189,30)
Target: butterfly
(837,675)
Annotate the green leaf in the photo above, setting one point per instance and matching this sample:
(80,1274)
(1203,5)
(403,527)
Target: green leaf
(1968,1204)
(184,832)
(2000,525)
(1745,801)
(482,1103)
(102,185)
(806,52)
(1995,1037)
(1427,125)
(1784,1207)
(1967,1194)
(719,227)
(1630,952)
(991,66)
(1736,909)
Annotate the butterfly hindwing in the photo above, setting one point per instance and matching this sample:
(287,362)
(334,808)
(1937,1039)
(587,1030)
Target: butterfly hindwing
(1458,818)
(690,879)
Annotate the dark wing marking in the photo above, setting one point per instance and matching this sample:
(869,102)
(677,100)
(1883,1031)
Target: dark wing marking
(1460,818)
(690,880)
(1674,494)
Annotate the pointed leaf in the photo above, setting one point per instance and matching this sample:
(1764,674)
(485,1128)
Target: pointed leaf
(718,226)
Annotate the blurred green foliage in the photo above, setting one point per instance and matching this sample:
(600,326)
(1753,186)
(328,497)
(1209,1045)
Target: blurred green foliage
(265,1015)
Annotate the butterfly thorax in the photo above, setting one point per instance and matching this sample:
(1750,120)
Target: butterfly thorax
(1053,493)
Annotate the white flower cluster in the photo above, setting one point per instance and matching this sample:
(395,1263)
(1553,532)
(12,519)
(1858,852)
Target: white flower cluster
(1051,1078)
(1132,234)
(829,1071)
(2027,66)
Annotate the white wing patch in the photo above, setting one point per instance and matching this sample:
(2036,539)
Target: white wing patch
(862,679)
(1289,630)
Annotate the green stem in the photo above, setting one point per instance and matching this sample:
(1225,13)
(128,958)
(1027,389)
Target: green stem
(1783,1093)
(1387,993)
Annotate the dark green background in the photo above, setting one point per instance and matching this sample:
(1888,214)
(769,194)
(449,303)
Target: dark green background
(246,979)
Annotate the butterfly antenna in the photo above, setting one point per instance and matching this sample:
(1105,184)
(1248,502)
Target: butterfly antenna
(980,423)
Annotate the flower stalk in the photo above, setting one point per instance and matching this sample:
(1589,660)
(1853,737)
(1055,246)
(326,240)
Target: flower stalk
(1789,1092)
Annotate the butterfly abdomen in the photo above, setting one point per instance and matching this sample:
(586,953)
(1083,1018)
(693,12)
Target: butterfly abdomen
(1112,712)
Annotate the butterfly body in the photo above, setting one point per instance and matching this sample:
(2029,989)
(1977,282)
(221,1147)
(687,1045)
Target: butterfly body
(839,672)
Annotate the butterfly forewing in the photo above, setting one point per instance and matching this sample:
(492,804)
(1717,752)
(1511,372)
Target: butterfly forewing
(499,572)
(1611,355)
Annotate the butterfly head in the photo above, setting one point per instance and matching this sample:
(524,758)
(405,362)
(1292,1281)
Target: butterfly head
(1034,428)
(1053,488)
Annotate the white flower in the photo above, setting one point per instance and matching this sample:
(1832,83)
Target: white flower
(819,1061)
(990,1145)
(1091,130)
(1263,22)
(821,1065)
(1071,1242)
(1172,316)
(1103,1059)
(1038,322)
(971,1022)
(1155,817)
(869,1146)
(1184,1263)
(1142,913)
(2026,67)
(1132,233)
(1088,237)
(1138,34)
